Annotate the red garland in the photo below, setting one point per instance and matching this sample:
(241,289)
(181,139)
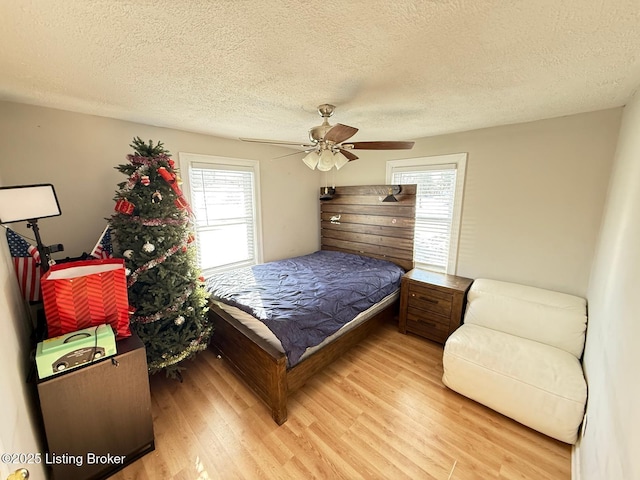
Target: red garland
(137,159)
(133,179)
(133,278)
(157,222)
(172,309)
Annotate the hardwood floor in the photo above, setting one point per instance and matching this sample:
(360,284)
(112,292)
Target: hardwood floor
(381,411)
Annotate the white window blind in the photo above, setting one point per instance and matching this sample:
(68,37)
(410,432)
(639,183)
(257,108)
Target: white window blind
(434,212)
(223,198)
(440,182)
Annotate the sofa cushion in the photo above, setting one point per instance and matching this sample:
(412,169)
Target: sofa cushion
(554,318)
(525,292)
(538,385)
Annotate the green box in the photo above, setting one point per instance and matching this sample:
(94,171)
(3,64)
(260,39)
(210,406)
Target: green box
(72,350)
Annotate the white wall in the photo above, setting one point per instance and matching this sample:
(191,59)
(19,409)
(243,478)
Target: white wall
(609,449)
(533,200)
(78,153)
(532,207)
(18,425)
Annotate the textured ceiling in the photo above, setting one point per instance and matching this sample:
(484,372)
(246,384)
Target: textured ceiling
(397,69)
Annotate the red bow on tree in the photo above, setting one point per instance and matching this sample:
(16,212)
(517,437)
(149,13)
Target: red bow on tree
(170,178)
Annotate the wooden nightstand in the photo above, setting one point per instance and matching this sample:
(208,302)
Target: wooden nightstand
(97,418)
(432,304)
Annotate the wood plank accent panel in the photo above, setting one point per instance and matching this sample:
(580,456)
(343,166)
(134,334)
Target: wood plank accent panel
(383,231)
(356,220)
(374,239)
(369,210)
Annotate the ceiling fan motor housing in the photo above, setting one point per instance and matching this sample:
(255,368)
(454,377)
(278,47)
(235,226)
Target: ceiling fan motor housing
(316,134)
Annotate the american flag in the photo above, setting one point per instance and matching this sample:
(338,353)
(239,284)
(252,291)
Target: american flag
(26,261)
(103,248)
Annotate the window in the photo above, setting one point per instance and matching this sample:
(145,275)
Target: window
(440,181)
(224,193)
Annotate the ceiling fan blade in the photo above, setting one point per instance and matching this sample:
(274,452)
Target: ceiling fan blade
(277,142)
(339,133)
(348,154)
(380,145)
(294,153)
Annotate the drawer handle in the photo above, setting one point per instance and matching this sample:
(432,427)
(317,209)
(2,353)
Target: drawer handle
(427,299)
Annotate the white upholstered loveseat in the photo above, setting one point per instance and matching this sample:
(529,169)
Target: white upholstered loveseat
(518,352)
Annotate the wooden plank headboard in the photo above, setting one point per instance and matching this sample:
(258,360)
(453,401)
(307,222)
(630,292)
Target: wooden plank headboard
(356,220)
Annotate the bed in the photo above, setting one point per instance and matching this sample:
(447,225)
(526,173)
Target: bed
(354,223)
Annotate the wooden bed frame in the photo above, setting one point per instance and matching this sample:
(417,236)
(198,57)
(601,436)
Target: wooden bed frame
(356,221)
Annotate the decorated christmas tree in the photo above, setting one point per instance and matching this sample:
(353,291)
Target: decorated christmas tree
(151,230)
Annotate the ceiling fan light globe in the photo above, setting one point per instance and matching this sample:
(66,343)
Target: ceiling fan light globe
(311,159)
(326,161)
(340,160)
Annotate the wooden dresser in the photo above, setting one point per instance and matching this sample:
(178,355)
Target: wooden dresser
(432,304)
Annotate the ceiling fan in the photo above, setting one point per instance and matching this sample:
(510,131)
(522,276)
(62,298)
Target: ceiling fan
(328,146)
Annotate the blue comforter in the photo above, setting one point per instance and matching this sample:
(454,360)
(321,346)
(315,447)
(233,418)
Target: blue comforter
(304,300)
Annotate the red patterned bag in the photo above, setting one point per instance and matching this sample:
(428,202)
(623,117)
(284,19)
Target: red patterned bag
(86,293)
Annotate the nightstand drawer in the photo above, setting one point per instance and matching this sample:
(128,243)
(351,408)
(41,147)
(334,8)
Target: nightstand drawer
(433,327)
(429,299)
(431,303)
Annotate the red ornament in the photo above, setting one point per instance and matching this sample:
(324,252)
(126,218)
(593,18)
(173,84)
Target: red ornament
(124,206)
(144,180)
(172,164)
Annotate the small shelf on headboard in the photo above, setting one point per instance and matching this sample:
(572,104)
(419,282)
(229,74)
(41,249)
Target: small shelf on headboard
(356,220)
